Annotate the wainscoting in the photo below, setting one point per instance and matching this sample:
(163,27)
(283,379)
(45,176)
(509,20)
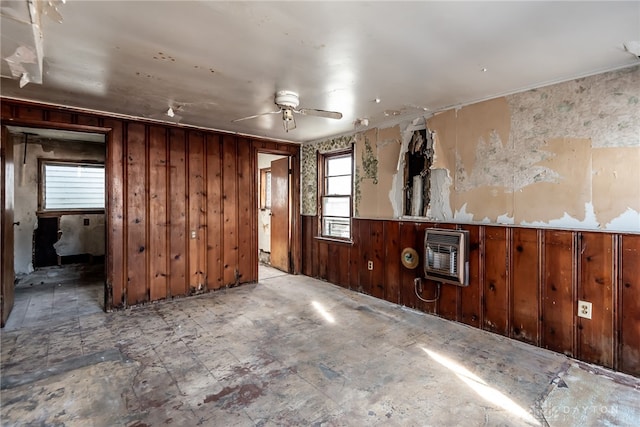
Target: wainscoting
(524,282)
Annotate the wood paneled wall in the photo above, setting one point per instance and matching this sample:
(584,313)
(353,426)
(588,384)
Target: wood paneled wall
(181,203)
(524,283)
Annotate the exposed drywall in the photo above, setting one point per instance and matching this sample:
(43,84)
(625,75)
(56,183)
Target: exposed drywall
(86,239)
(264,215)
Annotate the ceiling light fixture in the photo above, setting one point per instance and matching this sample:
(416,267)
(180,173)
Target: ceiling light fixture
(288,122)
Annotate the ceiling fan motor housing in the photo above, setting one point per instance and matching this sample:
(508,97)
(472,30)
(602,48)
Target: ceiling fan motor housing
(287,98)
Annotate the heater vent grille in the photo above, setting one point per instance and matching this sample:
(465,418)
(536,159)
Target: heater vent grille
(446,256)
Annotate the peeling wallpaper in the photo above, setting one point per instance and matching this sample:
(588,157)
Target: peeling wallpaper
(566,155)
(604,108)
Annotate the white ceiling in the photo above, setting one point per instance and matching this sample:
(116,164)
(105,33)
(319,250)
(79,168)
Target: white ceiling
(214,62)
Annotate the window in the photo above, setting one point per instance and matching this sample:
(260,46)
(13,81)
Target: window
(71,186)
(265,188)
(335,194)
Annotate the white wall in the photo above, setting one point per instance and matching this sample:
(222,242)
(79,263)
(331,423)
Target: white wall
(76,238)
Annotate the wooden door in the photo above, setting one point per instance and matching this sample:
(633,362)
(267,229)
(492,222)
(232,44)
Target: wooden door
(280,214)
(6,225)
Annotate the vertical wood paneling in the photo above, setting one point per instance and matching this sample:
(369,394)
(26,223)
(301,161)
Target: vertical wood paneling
(115,251)
(595,335)
(392,261)
(344,257)
(629,349)
(196,211)
(354,255)
(315,267)
(495,291)
(214,213)
(557,292)
(137,277)
(376,230)
(429,289)
(447,304)
(247,216)
(158,221)
(365,252)
(409,235)
(158,186)
(525,285)
(178,255)
(296,226)
(230,209)
(333,264)
(470,295)
(323,259)
(307,245)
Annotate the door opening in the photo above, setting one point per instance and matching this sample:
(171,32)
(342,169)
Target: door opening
(274,212)
(59,231)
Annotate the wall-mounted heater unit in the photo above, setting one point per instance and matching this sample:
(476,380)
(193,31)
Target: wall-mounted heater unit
(446,256)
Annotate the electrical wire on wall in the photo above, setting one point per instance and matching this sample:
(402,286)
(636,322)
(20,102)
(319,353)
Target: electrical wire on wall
(418,282)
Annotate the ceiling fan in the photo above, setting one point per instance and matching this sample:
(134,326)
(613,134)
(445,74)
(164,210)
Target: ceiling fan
(287,102)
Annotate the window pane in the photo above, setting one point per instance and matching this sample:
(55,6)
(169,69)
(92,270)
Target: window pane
(339,166)
(73,187)
(267,193)
(336,227)
(336,206)
(340,185)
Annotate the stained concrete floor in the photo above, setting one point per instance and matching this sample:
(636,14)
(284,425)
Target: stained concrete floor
(289,350)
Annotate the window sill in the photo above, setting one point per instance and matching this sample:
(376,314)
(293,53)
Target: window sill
(60,212)
(334,240)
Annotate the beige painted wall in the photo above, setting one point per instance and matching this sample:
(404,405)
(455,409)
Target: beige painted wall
(562,156)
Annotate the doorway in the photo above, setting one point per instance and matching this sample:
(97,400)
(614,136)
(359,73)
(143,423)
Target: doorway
(59,234)
(274,213)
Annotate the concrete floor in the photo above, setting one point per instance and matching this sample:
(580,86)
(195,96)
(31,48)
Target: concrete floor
(290,350)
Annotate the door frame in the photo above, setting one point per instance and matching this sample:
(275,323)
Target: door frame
(107,132)
(295,243)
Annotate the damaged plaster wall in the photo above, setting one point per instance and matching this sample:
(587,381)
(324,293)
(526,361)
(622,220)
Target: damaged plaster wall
(76,238)
(376,158)
(561,156)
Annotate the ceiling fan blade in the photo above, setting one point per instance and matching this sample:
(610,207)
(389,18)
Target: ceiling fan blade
(257,115)
(319,113)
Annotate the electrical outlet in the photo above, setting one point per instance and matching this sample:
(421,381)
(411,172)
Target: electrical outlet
(584,309)
(193,234)
(370,265)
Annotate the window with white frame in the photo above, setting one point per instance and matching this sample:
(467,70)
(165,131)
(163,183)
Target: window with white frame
(336,170)
(71,186)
